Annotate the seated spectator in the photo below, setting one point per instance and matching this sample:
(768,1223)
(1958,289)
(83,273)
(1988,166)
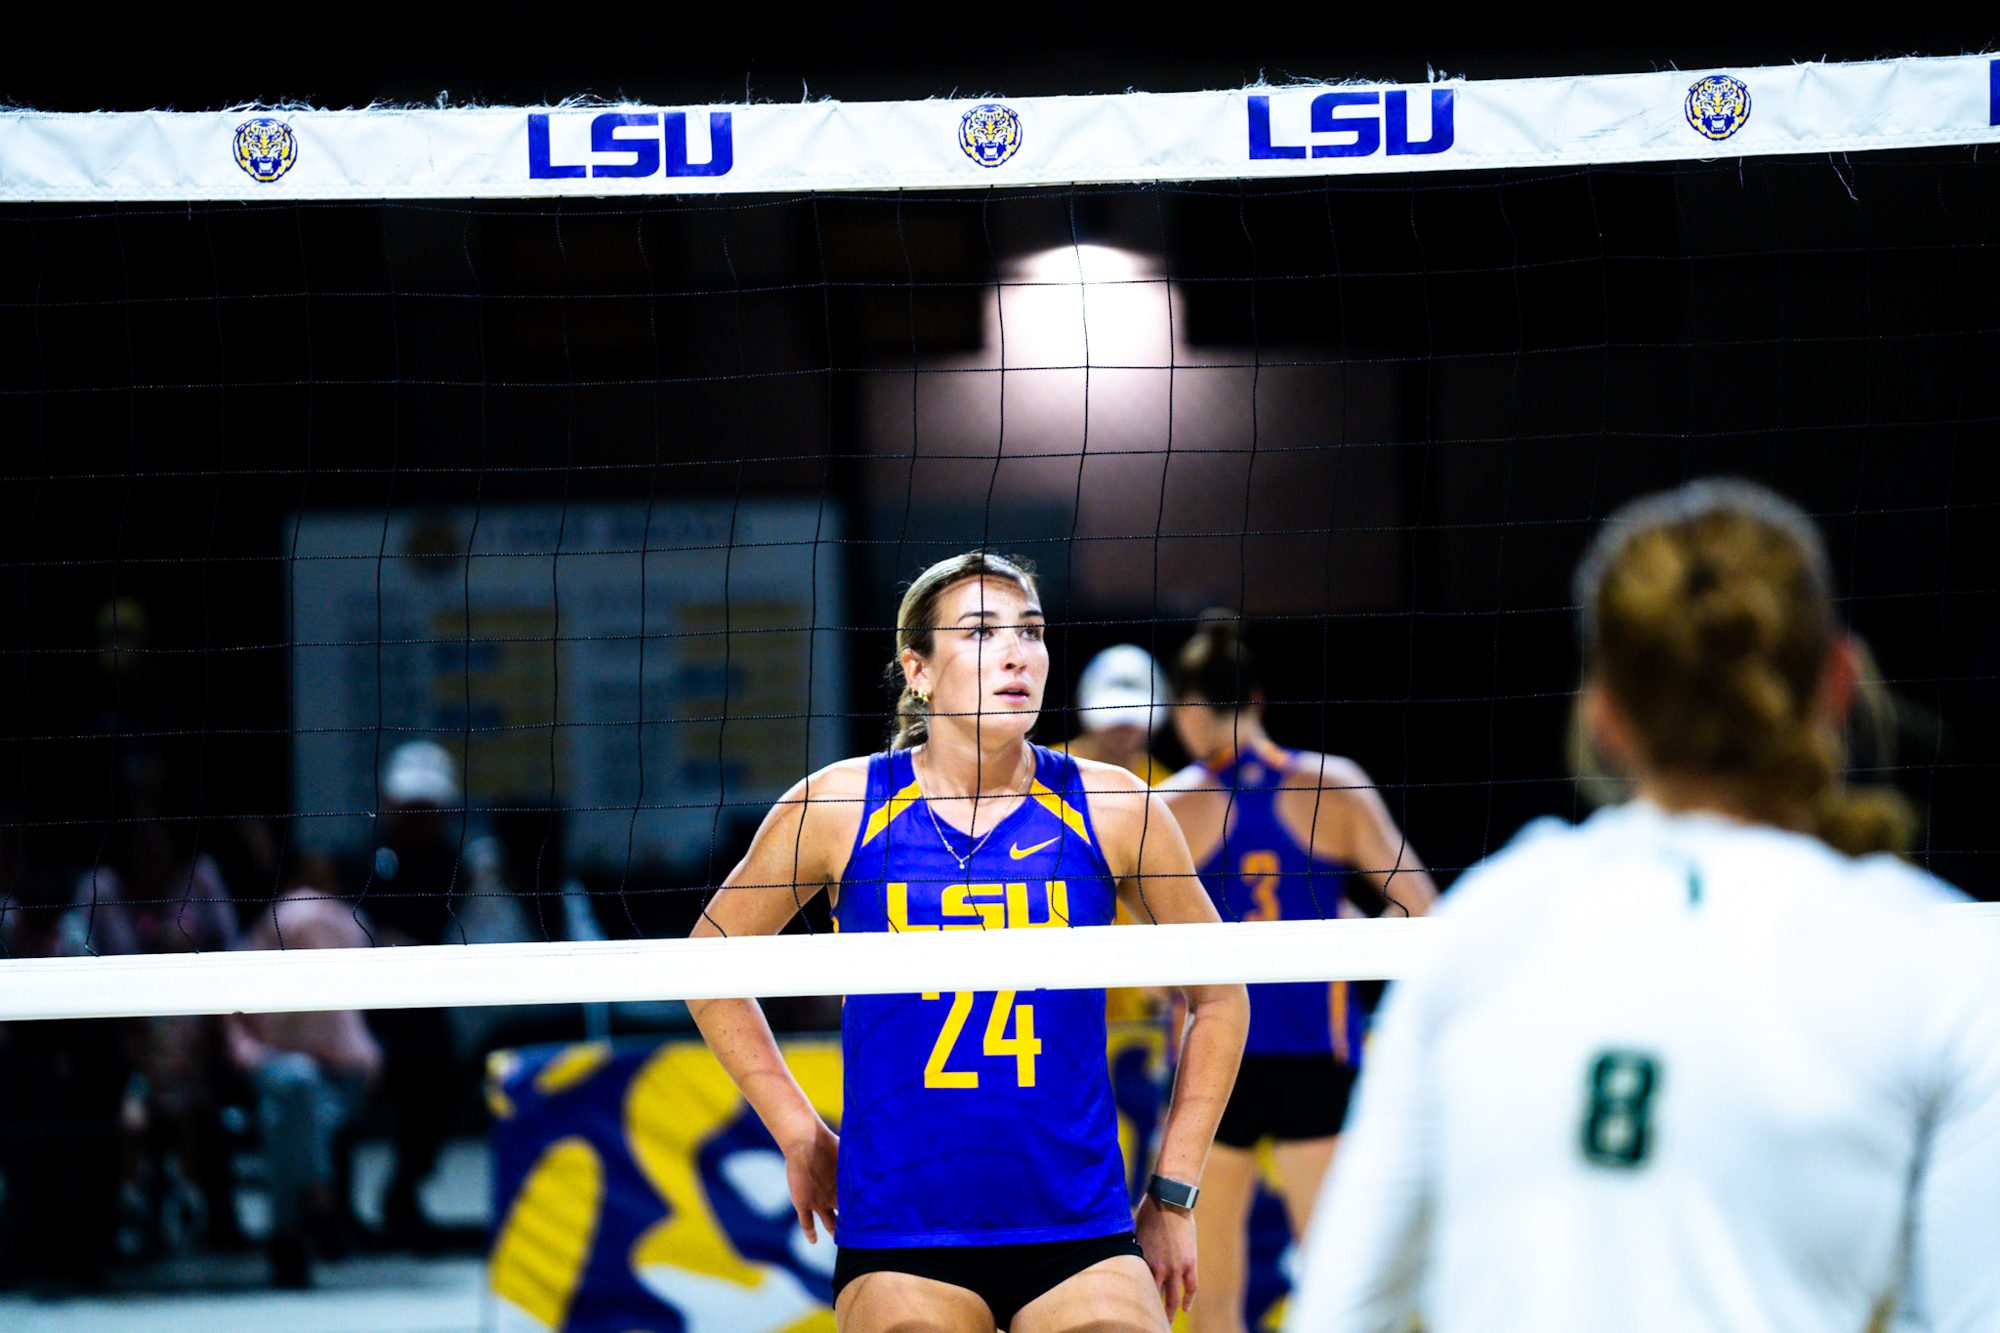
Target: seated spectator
(154,893)
(309,1071)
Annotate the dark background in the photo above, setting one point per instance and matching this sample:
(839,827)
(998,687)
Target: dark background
(1542,345)
(517,54)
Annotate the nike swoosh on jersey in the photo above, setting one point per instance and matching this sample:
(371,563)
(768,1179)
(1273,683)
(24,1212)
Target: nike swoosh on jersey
(1017,851)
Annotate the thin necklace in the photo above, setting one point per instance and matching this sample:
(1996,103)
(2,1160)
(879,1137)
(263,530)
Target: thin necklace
(931,810)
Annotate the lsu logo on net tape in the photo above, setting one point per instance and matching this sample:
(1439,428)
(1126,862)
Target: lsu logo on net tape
(990,134)
(1718,105)
(266,148)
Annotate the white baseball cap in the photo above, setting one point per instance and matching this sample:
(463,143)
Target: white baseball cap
(1122,687)
(420,773)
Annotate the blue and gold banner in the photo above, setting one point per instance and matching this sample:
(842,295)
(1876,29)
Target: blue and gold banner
(636,1191)
(1296,130)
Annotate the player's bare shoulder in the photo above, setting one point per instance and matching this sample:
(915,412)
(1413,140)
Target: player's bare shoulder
(815,822)
(832,798)
(1113,792)
(843,777)
(1120,806)
(1324,796)
(1134,827)
(1201,804)
(1331,775)
(1193,778)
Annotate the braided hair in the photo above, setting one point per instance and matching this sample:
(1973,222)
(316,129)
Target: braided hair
(1708,617)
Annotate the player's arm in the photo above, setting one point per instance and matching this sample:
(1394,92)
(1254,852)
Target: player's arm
(787,864)
(1957,1227)
(1164,890)
(1156,875)
(1351,823)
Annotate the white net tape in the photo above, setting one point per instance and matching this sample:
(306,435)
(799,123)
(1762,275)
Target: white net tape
(486,974)
(1304,130)
(478,974)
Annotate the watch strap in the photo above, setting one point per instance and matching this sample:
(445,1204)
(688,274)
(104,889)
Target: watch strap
(1173,1193)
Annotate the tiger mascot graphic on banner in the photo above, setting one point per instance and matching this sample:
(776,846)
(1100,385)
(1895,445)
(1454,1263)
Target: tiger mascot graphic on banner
(990,134)
(1718,105)
(266,148)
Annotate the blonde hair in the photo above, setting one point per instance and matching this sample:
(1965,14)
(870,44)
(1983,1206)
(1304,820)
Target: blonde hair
(1708,617)
(916,630)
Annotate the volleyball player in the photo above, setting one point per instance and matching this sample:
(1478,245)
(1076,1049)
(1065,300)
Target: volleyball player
(1121,700)
(977,1182)
(1278,835)
(1704,1061)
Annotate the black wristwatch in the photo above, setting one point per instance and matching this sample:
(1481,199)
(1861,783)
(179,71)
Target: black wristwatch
(1173,1193)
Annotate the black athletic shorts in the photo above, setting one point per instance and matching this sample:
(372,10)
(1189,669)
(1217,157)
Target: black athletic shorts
(1286,1097)
(1006,1277)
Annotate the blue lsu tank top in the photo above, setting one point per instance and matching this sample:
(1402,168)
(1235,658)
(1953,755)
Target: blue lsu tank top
(1260,873)
(977,1117)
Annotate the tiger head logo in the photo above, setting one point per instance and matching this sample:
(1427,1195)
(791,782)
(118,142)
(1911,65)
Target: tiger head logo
(990,134)
(1718,105)
(266,148)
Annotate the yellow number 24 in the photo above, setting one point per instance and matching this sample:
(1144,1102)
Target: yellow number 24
(1024,1045)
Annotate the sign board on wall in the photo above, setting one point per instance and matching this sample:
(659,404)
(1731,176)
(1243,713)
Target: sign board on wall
(652,672)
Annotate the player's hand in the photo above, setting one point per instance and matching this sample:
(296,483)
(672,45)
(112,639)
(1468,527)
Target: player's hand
(1167,1237)
(810,1170)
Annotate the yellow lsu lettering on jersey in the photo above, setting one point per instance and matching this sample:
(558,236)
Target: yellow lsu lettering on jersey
(981,907)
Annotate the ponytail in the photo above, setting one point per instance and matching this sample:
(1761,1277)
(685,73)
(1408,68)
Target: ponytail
(1708,616)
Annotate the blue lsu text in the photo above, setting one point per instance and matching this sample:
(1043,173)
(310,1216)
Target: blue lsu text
(636,144)
(1355,122)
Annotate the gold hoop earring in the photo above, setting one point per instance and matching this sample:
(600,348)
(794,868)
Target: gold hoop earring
(923,697)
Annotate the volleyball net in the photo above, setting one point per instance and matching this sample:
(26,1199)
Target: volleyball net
(477,518)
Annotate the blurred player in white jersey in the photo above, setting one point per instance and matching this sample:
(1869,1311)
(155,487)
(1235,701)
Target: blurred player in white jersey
(1705,1061)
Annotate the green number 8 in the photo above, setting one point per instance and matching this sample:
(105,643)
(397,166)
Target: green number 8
(1617,1122)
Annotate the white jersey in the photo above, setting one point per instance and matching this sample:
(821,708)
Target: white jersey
(1680,1073)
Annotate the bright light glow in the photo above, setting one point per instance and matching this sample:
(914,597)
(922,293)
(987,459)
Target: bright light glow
(1080,305)
(1085,264)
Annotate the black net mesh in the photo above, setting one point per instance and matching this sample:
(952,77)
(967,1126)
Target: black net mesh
(610,501)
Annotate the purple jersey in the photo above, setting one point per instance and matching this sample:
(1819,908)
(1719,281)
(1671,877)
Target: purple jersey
(977,1117)
(1260,873)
